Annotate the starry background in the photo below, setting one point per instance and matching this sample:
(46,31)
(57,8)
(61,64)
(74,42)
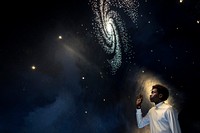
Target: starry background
(55,78)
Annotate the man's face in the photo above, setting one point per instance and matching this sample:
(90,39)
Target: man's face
(154,96)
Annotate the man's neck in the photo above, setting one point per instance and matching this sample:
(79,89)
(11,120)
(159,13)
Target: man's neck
(158,102)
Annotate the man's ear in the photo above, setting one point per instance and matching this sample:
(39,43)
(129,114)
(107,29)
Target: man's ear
(160,96)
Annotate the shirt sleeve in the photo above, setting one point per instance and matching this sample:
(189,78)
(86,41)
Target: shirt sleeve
(172,116)
(141,121)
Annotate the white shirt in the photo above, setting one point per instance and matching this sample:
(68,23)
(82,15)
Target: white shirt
(163,118)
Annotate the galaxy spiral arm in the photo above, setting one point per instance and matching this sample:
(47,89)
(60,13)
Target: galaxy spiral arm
(110,29)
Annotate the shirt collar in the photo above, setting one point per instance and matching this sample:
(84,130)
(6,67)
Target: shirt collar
(159,104)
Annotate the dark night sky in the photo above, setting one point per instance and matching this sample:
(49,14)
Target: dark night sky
(74,88)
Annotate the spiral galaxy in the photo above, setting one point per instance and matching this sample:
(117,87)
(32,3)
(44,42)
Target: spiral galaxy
(110,28)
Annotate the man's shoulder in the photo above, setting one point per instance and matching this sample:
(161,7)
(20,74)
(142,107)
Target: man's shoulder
(169,108)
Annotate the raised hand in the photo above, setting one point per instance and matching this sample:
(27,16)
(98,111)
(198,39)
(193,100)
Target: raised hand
(139,100)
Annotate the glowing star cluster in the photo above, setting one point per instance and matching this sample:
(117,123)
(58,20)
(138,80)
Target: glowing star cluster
(110,29)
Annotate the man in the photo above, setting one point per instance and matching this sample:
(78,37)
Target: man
(162,118)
